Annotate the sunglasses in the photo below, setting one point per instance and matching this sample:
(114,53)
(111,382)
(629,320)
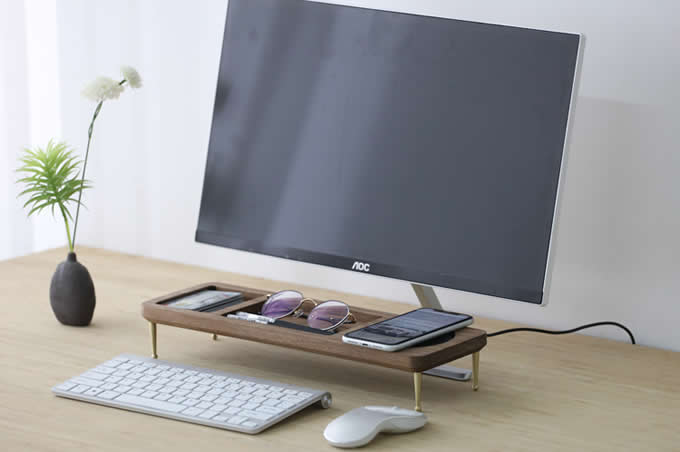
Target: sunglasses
(324,316)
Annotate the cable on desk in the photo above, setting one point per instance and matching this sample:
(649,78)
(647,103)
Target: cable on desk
(573,330)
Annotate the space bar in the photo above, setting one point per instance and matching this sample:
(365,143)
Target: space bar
(149,403)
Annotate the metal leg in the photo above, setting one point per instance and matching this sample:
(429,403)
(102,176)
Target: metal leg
(152,327)
(418,386)
(475,371)
(214,337)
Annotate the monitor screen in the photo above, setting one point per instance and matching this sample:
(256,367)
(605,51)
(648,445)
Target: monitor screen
(413,147)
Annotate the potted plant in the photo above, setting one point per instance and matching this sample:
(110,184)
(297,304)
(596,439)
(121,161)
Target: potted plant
(53,180)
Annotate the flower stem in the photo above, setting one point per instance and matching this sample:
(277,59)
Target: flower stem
(87,154)
(82,178)
(68,231)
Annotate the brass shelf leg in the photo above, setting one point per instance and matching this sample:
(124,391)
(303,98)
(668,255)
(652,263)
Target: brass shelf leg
(418,386)
(152,327)
(214,337)
(475,371)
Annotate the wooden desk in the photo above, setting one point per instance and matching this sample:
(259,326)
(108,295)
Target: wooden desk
(568,393)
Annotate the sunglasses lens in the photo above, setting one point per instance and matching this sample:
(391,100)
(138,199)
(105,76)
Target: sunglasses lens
(327,315)
(281,304)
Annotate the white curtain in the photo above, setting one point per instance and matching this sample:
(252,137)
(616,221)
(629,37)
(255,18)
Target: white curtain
(29,115)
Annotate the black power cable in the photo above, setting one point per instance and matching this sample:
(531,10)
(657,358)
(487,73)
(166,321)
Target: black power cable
(573,330)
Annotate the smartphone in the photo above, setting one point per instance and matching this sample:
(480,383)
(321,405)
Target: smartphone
(407,329)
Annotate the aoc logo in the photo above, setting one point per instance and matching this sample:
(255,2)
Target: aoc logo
(361,266)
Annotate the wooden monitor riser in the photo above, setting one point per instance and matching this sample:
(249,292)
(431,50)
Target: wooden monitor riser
(467,341)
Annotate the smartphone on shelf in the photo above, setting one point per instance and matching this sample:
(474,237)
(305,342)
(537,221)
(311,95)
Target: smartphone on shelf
(407,329)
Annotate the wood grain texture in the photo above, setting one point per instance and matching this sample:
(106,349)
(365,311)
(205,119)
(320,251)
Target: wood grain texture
(414,359)
(538,393)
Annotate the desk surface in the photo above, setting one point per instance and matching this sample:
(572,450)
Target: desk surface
(536,392)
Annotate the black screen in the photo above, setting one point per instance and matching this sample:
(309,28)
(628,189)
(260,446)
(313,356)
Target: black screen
(408,326)
(413,147)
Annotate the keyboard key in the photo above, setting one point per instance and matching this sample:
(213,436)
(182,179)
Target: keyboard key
(66,386)
(204,405)
(249,424)
(208,414)
(93,391)
(292,399)
(223,400)
(177,399)
(232,410)
(140,384)
(109,395)
(271,402)
(236,403)
(147,378)
(290,391)
(190,402)
(243,397)
(237,419)
(150,394)
(208,398)
(135,391)
(192,411)
(219,407)
(154,387)
(167,389)
(150,403)
(122,388)
(80,389)
(87,382)
(270,409)
(108,386)
(95,376)
(257,415)
(250,406)
(113,379)
(162,396)
(181,392)
(220,418)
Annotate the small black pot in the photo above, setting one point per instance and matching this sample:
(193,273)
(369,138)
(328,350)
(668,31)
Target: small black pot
(72,293)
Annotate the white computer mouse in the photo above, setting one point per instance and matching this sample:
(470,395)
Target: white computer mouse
(359,426)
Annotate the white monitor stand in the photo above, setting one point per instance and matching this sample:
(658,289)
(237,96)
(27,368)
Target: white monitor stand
(428,299)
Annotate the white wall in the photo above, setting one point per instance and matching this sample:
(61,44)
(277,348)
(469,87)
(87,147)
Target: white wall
(617,249)
(29,116)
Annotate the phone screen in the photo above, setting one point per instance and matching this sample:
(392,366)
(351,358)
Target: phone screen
(408,326)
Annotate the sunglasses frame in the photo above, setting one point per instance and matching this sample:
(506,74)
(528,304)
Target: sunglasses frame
(297,312)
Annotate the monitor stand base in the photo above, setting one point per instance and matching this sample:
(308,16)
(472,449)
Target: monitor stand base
(428,299)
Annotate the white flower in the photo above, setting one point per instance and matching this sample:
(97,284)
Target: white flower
(132,76)
(102,88)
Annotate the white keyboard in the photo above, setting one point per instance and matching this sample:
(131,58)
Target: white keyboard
(191,394)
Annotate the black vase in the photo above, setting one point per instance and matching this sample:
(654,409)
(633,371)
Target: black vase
(72,293)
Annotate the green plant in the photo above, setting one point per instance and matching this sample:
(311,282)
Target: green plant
(51,177)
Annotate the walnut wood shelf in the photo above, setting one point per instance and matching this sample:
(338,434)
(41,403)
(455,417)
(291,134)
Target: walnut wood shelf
(414,359)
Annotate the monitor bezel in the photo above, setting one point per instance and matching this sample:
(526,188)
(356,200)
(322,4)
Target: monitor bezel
(411,275)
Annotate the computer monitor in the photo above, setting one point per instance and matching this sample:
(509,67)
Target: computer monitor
(419,148)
